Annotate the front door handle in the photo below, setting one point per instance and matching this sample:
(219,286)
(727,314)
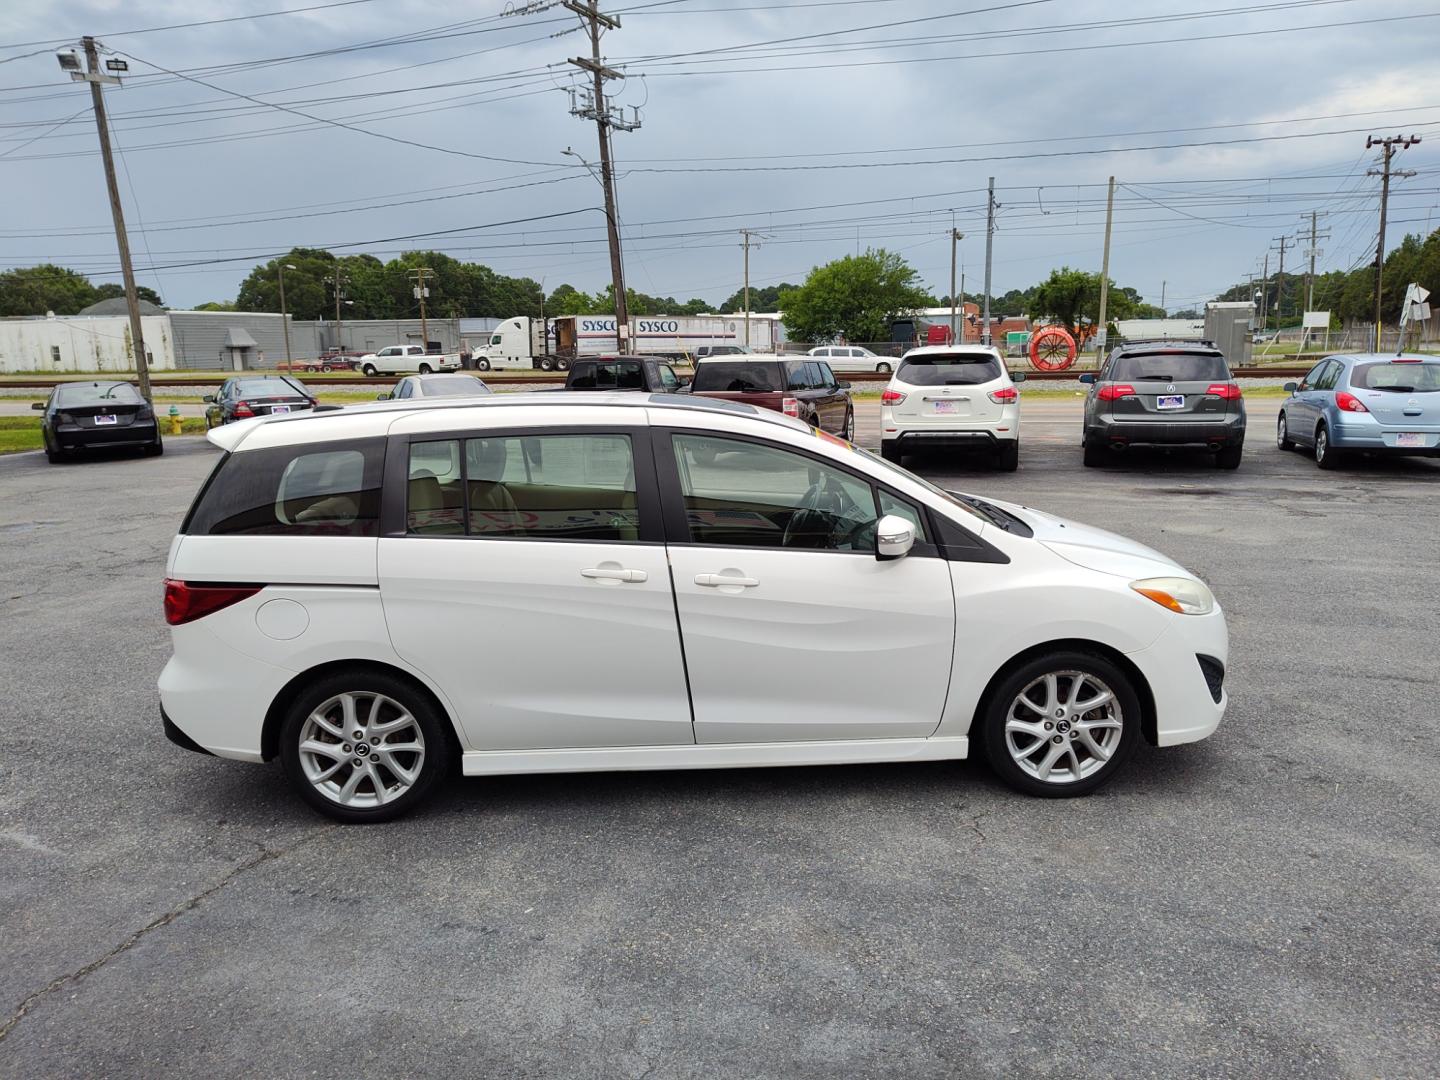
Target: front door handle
(720,581)
(614,572)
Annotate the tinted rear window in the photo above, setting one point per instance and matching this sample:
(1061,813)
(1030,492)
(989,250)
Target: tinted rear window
(90,393)
(739,376)
(1170,367)
(958,369)
(1397,378)
(267,388)
(315,489)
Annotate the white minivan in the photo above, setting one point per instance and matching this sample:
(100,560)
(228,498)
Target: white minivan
(567,582)
(944,397)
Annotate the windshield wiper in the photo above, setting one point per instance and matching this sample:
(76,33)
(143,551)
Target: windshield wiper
(991,513)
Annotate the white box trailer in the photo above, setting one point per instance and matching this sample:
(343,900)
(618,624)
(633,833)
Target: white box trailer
(522,342)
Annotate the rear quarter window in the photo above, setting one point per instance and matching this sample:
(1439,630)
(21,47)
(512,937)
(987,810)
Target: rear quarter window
(314,489)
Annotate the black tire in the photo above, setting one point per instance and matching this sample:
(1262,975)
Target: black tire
(882,369)
(1095,456)
(1326,456)
(433,726)
(1228,457)
(369,371)
(482,365)
(426,369)
(546,364)
(562,364)
(996,712)
(326,368)
(890,450)
(1282,434)
(156,448)
(1007,455)
(55,456)
(848,432)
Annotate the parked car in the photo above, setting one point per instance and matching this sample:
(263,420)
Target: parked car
(852,358)
(797,386)
(400,359)
(1164,393)
(92,415)
(702,351)
(436,386)
(684,560)
(624,373)
(948,397)
(1372,403)
(244,396)
(324,362)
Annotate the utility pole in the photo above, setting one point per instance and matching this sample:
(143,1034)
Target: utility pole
(1390,145)
(1284,242)
(1162,296)
(338,280)
(593,106)
(745,235)
(1103,330)
(284,319)
(990,207)
(955,237)
(1265,293)
(419,275)
(96,78)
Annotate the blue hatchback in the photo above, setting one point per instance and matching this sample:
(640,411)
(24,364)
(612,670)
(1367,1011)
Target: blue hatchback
(1370,402)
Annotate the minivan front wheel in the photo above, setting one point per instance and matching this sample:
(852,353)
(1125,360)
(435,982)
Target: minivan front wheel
(1061,725)
(363,746)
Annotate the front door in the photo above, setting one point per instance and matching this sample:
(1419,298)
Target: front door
(527,578)
(793,630)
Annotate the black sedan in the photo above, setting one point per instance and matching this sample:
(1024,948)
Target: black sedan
(246,396)
(92,415)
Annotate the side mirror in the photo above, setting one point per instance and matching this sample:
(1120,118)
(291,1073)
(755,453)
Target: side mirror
(38,406)
(842,386)
(1017,376)
(209,399)
(382,397)
(894,537)
(1087,378)
(1290,387)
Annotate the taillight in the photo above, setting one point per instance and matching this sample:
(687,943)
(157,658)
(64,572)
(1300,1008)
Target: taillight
(1347,402)
(891,397)
(242,408)
(1005,395)
(1227,390)
(791,407)
(1112,391)
(186,603)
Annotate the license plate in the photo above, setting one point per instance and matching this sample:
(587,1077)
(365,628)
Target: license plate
(1409,438)
(1171,401)
(947,406)
(101,421)
(279,409)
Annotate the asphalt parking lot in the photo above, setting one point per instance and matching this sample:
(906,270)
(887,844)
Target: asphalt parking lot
(1259,904)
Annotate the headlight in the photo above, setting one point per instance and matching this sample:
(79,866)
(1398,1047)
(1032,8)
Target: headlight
(1183,595)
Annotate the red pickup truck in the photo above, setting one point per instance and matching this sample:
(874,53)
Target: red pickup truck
(801,386)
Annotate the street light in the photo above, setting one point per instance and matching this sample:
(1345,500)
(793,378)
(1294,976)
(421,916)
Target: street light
(284,322)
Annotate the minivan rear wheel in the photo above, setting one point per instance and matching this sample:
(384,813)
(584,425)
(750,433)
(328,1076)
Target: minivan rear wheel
(1060,725)
(363,746)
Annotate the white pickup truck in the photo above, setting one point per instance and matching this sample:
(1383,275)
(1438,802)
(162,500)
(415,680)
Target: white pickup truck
(407,359)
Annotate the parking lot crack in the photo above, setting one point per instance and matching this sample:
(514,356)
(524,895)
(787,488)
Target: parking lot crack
(264,855)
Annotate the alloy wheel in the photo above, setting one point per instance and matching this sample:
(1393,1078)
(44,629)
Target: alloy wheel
(1281,438)
(361,750)
(1064,726)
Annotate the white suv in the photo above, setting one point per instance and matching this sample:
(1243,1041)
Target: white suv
(947,396)
(570,582)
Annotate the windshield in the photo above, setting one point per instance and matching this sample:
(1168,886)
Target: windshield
(1401,378)
(1170,366)
(268,388)
(739,376)
(88,393)
(453,386)
(954,369)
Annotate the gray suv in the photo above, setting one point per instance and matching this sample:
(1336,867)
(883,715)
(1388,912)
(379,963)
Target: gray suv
(1164,393)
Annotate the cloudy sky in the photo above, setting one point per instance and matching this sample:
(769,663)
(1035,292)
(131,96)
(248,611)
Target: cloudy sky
(825,125)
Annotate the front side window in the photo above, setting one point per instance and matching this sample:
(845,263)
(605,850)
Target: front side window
(668,379)
(537,487)
(1330,376)
(744,494)
(325,489)
(903,508)
(495,339)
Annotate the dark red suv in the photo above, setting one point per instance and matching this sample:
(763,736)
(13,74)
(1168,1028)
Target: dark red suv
(801,386)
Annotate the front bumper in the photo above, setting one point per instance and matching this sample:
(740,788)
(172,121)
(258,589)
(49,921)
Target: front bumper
(1108,430)
(1186,709)
(75,437)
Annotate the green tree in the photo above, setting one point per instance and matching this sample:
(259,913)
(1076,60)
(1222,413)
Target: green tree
(34,290)
(857,296)
(216,305)
(307,294)
(1070,295)
(763,298)
(113,290)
